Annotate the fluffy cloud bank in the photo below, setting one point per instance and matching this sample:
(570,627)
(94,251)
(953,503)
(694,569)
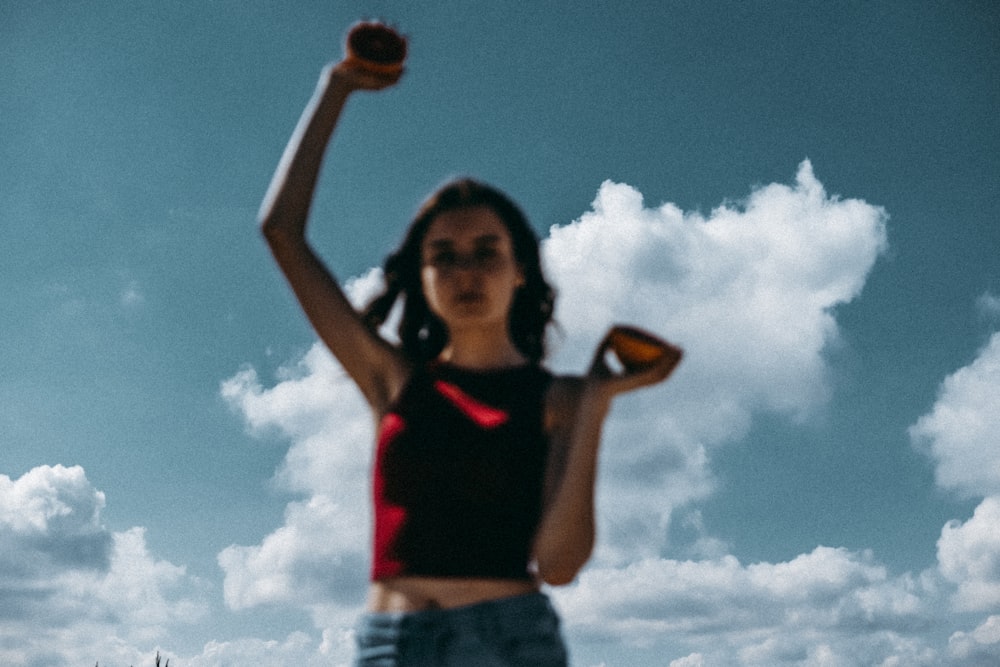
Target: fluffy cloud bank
(319,557)
(962,431)
(72,591)
(830,602)
(748,290)
(969,556)
(961,434)
(318,560)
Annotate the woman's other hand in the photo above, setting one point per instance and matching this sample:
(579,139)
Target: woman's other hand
(614,377)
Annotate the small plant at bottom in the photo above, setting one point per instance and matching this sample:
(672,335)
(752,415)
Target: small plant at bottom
(157,663)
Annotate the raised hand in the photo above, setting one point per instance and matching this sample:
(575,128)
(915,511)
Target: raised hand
(374,55)
(642,360)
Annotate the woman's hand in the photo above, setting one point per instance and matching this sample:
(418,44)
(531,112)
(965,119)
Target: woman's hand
(352,76)
(617,379)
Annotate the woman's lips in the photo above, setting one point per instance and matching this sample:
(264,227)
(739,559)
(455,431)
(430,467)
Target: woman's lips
(470,297)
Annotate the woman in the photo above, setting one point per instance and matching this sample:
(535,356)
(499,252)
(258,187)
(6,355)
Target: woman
(485,463)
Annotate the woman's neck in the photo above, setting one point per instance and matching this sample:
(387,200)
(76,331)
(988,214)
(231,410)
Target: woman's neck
(481,350)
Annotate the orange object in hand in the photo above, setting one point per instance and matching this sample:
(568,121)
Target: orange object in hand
(635,348)
(376,47)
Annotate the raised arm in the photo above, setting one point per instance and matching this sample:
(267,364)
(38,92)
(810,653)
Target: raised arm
(576,410)
(375,366)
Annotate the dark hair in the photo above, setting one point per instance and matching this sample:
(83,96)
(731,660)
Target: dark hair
(421,333)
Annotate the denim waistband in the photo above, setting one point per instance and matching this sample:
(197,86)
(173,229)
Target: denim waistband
(499,611)
(446,636)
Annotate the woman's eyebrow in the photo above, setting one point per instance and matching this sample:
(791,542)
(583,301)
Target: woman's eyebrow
(447,243)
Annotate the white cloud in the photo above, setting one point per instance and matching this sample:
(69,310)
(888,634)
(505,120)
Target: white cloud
(318,556)
(69,588)
(962,431)
(969,557)
(979,647)
(960,434)
(748,291)
(318,559)
(56,501)
(297,649)
(831,606)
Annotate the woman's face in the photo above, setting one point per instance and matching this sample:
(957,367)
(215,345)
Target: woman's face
(468,270)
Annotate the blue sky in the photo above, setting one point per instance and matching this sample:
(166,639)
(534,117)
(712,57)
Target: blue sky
(802,194)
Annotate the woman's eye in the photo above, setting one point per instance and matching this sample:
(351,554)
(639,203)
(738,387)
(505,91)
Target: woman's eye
(485,257)
(444,259)
(486,254)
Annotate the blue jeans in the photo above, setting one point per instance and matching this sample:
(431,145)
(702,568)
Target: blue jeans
(520,631)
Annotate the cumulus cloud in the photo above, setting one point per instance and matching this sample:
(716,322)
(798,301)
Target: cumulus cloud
(962,431)
(332,650)
(317,407)
(749,291)
(960,435)
(979,647)
(69,587)
(830,602)
(969,557)
(323,544)
(49,519)
(319,558)
(319,555)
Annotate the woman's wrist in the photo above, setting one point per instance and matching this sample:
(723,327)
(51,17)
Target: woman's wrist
(334,83)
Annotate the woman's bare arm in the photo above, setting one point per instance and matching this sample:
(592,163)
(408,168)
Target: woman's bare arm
(577,408)
(566,534)
(374,365)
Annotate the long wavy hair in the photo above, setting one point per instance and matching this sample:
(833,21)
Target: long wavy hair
(422,334)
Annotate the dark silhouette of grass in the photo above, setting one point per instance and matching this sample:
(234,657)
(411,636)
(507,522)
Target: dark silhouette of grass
(166,664)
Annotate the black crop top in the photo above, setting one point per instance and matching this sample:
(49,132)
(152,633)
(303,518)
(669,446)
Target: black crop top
(459,469)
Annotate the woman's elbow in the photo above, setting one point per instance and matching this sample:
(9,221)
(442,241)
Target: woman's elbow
(562,568)
(269,227)
(279,235)
(558,576)
(279,224)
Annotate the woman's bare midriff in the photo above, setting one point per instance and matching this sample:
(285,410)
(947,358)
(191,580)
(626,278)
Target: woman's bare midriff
(406,594)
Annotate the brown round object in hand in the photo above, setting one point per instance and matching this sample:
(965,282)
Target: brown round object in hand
(376,47)
(635,348)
